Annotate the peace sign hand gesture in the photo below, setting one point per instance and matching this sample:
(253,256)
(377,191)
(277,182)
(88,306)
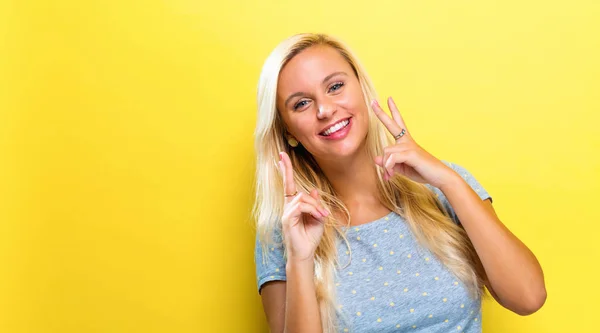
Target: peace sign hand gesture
(303,216)
(406,156)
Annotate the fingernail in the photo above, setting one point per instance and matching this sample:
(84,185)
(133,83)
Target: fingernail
(280,156)
(374,103)
(324,211)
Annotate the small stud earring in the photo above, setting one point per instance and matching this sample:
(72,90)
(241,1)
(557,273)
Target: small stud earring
(292,142)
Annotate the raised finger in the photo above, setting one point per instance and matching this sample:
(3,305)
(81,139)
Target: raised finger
(396,113)
(289,186)
(388,122)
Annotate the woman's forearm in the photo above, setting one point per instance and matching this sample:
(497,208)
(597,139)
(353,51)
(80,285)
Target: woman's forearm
(302,310)
(514,274)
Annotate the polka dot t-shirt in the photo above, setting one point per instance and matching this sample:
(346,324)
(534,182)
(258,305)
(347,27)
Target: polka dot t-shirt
(391,284)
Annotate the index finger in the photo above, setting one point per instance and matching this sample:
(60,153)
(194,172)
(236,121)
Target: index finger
(289,186)
(388,122)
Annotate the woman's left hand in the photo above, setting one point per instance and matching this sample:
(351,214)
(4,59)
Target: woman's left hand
(406,156)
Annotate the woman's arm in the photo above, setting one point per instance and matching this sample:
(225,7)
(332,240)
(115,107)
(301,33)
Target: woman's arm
(291,306)
(515,276)
(273,300)
(301,308)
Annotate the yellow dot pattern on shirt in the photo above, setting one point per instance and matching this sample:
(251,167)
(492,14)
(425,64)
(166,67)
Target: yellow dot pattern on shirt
(385,230)
(272,276)
(392,304)
(337,284)
(357,229)
(272,249)
(386,218)
(276,269)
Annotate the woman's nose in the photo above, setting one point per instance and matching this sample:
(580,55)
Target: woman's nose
(325,111)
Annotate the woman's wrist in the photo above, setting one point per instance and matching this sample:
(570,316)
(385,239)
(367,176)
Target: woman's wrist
(300,265)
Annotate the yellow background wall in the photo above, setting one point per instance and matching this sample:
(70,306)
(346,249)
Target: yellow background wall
(126,157)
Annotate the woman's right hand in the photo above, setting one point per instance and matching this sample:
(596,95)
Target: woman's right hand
(303,216)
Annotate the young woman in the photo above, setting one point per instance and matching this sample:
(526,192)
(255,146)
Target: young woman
(360,229)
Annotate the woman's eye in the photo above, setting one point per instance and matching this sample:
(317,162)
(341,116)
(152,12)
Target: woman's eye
(300,104)
(336,86)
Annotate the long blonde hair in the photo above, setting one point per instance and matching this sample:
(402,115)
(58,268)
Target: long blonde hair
(417,204)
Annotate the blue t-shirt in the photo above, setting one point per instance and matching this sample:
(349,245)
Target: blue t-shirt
(392,284)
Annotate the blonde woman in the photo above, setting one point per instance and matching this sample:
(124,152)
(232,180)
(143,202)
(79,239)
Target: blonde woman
(360,229)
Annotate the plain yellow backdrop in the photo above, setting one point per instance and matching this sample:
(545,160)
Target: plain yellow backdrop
(126,153)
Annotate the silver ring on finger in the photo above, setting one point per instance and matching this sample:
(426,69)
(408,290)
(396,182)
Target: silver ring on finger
(400,135)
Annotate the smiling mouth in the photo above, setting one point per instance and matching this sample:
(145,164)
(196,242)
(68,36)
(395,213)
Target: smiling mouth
(337,127)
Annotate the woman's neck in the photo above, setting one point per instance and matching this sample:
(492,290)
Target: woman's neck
(354,179)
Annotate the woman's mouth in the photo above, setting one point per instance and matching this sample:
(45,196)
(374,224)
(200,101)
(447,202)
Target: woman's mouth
(338,131)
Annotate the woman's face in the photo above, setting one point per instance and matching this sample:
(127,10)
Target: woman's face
(321,103)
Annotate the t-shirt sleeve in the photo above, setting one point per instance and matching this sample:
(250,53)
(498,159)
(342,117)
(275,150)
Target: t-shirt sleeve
(470,179)
(270,264)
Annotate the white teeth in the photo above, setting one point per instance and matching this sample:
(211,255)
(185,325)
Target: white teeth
(336,127)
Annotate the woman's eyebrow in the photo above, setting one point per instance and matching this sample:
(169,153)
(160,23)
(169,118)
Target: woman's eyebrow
(324,80)
(332,75)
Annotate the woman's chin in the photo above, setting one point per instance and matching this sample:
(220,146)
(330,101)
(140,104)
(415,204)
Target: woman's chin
(343,151)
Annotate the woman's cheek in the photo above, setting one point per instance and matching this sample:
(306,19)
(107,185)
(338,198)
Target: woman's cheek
(305,127)
(345,102)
